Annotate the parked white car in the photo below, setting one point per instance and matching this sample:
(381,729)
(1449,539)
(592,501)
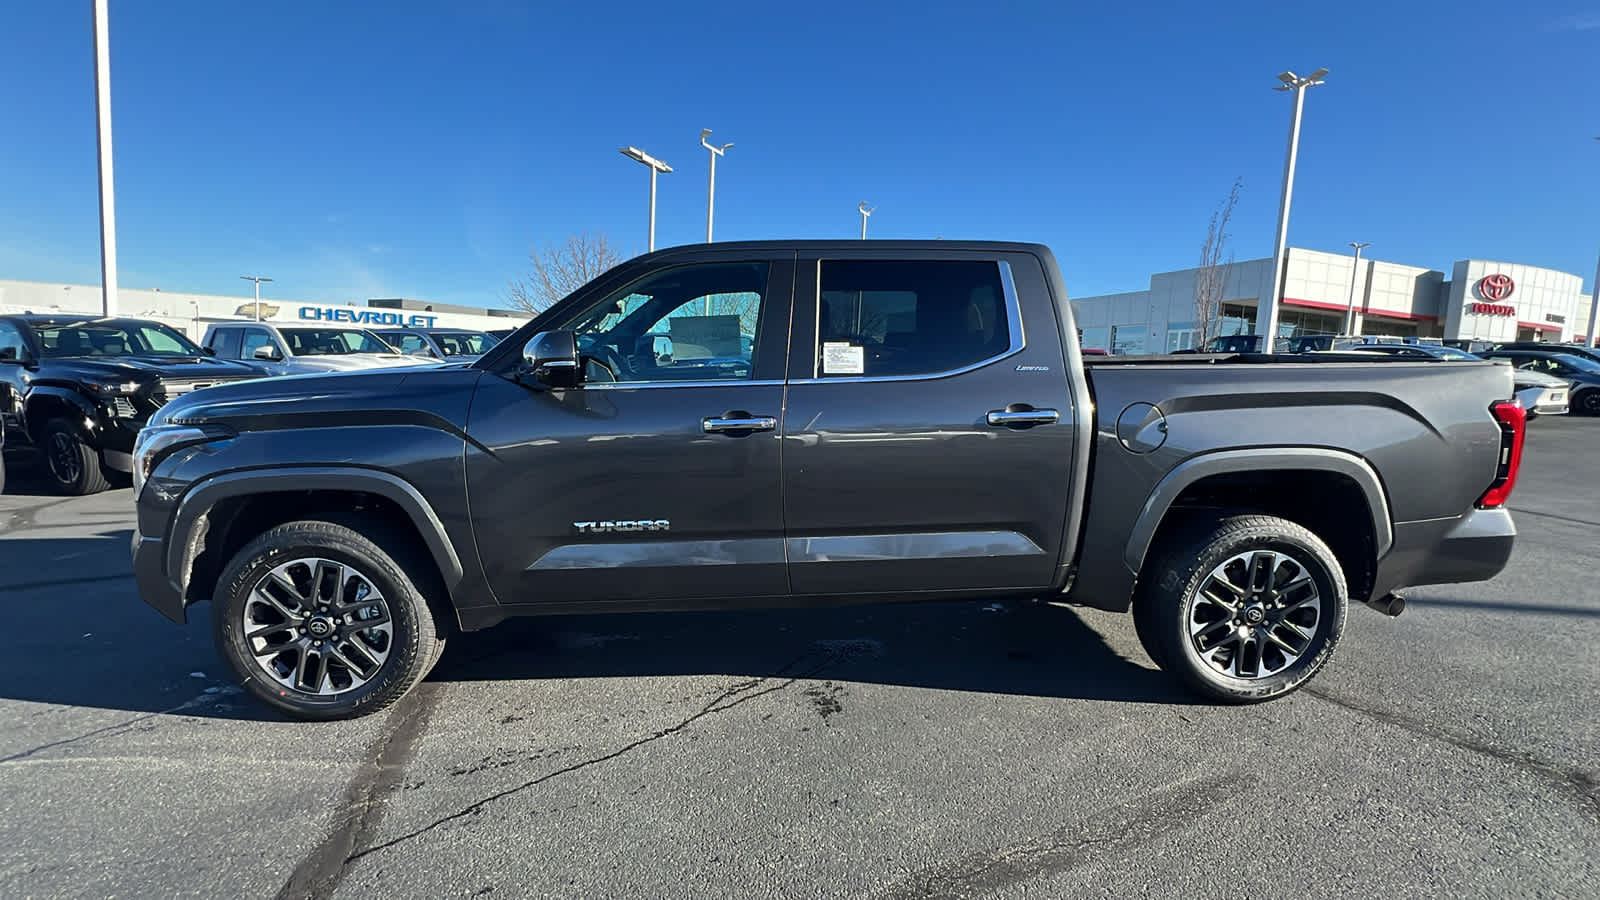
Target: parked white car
(302,349)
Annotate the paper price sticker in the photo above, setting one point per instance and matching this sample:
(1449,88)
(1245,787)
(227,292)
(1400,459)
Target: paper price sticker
(843,359)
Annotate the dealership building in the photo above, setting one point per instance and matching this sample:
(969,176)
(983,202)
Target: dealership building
(1478,299)
(191,313)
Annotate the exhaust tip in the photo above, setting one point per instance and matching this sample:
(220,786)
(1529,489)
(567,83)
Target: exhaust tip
(1390,604)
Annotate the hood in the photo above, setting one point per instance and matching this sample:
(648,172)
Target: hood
(350,362)
(146,369)
(340,397)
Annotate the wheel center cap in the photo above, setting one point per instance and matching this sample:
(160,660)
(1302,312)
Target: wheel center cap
(1255,615)
(320,627)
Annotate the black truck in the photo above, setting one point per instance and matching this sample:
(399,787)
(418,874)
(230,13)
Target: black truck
(75,390)
(798,423)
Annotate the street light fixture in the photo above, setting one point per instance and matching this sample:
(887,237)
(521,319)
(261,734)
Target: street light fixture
(108,213)
(257,279)
(656,166)
(711,185)
(1298,85)
(865,211)
(1592,339)
(1355,271)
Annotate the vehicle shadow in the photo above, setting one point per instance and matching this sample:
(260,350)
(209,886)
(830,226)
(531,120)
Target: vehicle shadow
(81,636)
(1011,648)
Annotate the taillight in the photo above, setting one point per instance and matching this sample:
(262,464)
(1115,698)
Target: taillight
(1513,421)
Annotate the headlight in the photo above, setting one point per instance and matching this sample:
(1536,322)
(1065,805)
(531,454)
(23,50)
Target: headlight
(155,442)
(110,388)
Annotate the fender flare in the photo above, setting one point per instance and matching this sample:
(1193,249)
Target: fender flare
(186,534)
(50,392)
(1317,459)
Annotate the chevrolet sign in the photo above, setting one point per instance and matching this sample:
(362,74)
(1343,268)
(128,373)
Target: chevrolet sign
(364,316)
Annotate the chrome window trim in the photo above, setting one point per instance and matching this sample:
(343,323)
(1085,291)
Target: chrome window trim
(718,382)
(1013,307)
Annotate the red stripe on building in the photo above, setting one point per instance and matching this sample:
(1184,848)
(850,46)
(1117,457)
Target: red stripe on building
(1342,307)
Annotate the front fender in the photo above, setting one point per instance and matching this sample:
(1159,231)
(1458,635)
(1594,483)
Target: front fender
(42,396)
(186,535)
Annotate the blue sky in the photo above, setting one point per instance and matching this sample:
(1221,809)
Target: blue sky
(411,149)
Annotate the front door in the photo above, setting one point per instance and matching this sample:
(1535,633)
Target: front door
(927,444)
(658,479)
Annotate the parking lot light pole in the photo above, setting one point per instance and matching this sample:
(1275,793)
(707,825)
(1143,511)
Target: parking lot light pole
(1355,272)
(656,167)
(257,279)
(711,183)
(1297,85)
(108,205)
(865,211)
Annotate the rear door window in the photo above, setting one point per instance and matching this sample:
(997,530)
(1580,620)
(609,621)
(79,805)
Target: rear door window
(898,318)
(226,342)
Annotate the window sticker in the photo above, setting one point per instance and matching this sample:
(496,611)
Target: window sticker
(840,358)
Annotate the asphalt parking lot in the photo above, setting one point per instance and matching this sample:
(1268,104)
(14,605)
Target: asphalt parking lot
(962,749)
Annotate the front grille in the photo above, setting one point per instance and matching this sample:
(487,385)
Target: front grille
(167,391)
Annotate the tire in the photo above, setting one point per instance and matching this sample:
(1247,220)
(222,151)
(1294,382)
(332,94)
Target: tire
(73,465)
(1587,403)
(2,474)
(1297,596)
(364,668)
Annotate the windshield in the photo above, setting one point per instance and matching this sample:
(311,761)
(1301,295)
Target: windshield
(462,343)
(1451,353)
(113,339)
(333,341)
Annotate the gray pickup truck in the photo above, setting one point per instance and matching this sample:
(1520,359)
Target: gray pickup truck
(834,421)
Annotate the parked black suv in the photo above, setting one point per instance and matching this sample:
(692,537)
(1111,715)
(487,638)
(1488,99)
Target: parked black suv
(77,389)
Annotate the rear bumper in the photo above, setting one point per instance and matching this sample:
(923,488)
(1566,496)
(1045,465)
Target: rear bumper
(1544,401)
(149,572)
(1474,547)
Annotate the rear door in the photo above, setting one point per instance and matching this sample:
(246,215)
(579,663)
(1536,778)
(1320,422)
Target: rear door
(928,433)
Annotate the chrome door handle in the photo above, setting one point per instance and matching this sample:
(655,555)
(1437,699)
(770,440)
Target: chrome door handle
(719,424)
(1001,418)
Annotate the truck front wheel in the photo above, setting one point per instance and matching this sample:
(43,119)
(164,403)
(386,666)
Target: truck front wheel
(74,465)
(320,622)
(1244,609)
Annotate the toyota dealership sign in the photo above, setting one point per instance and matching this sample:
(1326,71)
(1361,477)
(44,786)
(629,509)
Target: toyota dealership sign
(1496,287)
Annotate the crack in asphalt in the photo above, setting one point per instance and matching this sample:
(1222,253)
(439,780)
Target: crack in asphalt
(1123,826)
(201,700)
(1580,785)
(320,872)
(735,695)
(1560,518)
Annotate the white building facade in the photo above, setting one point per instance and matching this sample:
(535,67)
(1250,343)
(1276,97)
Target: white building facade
(1480,299)
(191,313)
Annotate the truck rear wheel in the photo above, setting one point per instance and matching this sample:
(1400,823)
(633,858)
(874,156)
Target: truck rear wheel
(1244,609)
(322,623)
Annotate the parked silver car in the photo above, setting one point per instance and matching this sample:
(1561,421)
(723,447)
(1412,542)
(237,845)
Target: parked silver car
(448,344)
(300,349)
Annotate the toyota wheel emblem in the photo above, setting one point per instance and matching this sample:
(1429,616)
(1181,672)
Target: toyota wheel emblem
(1496,287)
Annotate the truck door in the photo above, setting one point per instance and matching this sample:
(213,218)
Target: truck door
(659,478)
(928,436)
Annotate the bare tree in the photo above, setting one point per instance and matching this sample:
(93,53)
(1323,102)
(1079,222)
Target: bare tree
(560,270)
(1211,278)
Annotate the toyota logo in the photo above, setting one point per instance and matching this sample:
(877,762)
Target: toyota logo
(1496,287)
(319,627)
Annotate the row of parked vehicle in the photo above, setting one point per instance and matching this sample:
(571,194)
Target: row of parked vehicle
(76,390)
(1551,378)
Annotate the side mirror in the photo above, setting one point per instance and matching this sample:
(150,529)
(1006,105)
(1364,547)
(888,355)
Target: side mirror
(210,351)
(552,358)
(267,352)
